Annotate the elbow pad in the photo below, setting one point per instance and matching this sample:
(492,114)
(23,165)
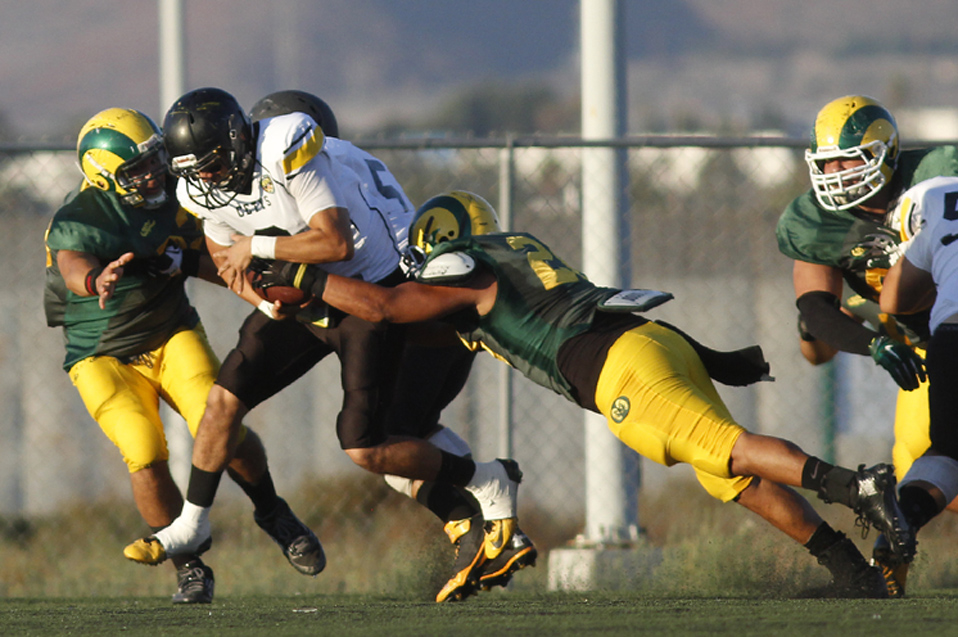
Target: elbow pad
(824,319)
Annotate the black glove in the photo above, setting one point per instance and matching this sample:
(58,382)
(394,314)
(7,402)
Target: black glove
(899,360)
(309,278)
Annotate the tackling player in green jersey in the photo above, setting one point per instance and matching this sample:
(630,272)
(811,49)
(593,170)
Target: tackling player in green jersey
(509,294)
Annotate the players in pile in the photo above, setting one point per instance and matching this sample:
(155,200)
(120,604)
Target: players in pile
(277,189)
(118,254)
(510,294)
(431,375)
(844,230)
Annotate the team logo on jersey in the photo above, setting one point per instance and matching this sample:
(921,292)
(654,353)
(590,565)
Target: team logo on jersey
(147,228)
(620,408)
(266,183)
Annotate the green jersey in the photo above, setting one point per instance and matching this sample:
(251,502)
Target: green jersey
(145,310)
(862,245)
(541,303)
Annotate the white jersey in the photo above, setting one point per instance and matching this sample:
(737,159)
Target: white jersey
(299,173)
(932,206)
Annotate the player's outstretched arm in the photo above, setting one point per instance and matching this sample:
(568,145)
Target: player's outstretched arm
(84,275)
(406,303)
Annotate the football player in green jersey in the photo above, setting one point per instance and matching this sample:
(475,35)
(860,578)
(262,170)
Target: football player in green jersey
(844,230)
(509,294)
(118,254)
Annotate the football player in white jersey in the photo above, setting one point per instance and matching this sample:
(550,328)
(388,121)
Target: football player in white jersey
(430,376)
(278,189)
(927,276)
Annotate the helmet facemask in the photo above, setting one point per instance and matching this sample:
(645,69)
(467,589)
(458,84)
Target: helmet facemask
(144,177)
(847,188)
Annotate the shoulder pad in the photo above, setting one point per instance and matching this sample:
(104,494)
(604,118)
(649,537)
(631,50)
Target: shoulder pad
(450,268)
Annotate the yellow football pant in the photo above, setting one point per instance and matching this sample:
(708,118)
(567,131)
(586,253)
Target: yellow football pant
(659,400)
(124,399)
(912,436)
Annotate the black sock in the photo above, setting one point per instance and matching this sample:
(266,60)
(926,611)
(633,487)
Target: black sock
(814,472)
(823,538)
(831,483)
(203,486)
(446,501)
(918,505)
(262,494)
(455,469)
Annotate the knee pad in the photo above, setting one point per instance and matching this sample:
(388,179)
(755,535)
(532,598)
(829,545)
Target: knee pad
(940,471)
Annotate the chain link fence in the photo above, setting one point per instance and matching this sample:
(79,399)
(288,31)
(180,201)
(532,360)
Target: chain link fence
(701,219)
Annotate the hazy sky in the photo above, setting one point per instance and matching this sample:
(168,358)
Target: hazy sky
(60,62)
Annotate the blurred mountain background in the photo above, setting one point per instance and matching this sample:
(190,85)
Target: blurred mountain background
(487,67)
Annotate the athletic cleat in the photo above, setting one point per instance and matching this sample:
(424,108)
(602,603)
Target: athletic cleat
(300,545)
(507,550)
(194,583)
(495,486)
(852,577)
(874,500)
(469,539)
(894,571)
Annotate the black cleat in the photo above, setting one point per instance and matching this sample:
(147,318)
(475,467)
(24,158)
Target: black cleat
(469,538)
(194,583)
(873,498)
(852,577)
(300,545)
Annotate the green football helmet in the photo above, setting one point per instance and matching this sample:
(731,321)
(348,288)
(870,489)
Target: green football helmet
(852,127)
(452,215)
(120,150)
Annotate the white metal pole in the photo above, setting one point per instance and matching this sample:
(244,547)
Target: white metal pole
(611,468)
(172,68)
(172,73)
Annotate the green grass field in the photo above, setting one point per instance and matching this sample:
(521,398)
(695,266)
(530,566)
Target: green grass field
(724,572)
(553,614)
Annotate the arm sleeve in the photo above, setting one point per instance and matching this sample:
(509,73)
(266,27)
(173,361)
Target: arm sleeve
(825,320)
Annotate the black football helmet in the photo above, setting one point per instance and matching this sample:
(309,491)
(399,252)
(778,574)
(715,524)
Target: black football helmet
(210,144)
(285,102)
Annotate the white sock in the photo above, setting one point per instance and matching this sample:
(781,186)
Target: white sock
(494,490)
(187,532)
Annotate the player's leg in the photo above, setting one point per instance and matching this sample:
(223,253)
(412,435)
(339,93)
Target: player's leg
(269,356)
(792,514)
(125,405)
(190,368)
(370,356)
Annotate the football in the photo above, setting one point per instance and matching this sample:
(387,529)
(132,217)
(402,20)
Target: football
(285,294)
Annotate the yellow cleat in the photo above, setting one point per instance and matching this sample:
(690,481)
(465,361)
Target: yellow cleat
(147,550)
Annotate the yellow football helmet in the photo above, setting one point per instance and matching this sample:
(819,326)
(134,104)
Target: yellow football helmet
(452,215)
(121,150)
(852,127)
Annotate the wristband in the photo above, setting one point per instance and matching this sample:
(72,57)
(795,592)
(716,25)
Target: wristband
(90,282)
(266,307)
(263,247)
